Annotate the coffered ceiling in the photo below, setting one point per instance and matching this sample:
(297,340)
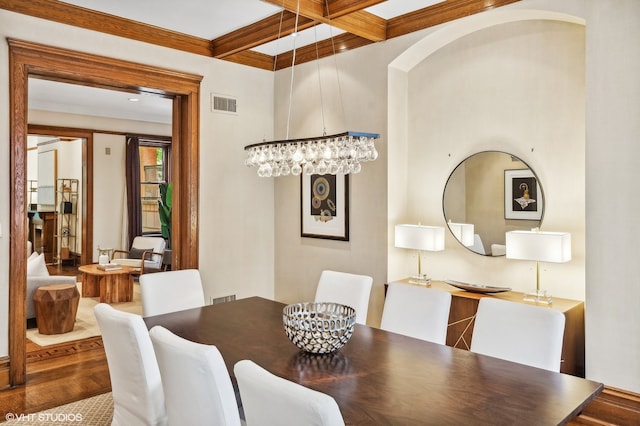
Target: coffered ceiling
(255,32)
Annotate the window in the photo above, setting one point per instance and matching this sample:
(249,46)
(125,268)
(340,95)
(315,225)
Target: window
(154,170)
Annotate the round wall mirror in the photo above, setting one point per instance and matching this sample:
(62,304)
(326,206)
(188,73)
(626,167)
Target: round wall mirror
(488,194)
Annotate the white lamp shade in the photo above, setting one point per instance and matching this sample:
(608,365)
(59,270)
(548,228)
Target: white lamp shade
(463,232)
(419,237)
(541,246)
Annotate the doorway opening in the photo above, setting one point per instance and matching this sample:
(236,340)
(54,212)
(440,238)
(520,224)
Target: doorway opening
(35,60)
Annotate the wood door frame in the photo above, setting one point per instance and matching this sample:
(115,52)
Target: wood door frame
(37,60)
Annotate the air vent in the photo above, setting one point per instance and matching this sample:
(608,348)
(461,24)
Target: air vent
(223,104)
(216,300)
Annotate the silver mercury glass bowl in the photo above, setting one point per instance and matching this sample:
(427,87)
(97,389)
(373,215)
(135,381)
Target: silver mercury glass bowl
(319,327)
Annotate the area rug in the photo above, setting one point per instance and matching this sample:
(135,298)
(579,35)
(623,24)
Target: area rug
(95,411)
(85,325)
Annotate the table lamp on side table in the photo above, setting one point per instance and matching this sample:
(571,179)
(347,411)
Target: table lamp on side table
(542,247)
(420,238)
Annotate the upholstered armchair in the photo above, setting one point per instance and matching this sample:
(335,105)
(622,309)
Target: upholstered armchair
(145,254)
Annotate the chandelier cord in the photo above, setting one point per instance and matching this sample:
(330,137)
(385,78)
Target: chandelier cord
(335,64)
(324,127)
(275,56)
(293,65)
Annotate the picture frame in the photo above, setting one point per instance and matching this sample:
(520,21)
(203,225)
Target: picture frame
(522,195)
(324,206)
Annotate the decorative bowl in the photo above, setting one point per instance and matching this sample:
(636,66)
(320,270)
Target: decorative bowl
(319,327)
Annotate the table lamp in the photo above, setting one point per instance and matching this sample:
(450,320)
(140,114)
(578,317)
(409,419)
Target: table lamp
(420,238)
(463,232)
(542,247)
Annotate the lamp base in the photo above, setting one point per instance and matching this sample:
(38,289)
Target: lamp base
(420,280)
(538,296)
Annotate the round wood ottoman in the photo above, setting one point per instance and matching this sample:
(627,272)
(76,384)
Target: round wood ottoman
(56,306)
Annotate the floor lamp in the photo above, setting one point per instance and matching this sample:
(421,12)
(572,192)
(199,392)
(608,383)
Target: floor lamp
(540,246)
(420,238)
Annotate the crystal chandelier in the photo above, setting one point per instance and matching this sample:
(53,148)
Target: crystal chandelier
(342,153)
(334,154)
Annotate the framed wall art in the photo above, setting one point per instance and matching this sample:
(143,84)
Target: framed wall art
(522,195)
(324,206)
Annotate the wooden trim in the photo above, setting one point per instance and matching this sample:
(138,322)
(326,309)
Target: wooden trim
(263,31)
(31,59)
(234,47)
(326,48)
(4,372)
(438,14)
(81,17)
(87,180)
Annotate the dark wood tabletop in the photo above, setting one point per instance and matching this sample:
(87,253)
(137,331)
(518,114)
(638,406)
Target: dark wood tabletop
(383,378)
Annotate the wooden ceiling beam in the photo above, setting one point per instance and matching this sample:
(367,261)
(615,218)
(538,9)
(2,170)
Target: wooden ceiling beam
(362,27)
(439,13)
(317,9)
(346,15)
(81,17)
(325,48)
(263,31)
(252,59)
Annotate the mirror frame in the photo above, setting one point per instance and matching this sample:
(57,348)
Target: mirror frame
(509,224)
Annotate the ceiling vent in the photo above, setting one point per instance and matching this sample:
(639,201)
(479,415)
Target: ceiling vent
(226,104)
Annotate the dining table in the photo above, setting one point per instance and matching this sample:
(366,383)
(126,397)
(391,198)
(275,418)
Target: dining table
(384,378)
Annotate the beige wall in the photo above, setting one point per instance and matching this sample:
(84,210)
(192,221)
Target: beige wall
(516,87)
(236,208)
(562,138)
(613,132)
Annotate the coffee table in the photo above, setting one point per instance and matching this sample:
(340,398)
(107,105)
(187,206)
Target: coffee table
(110,286)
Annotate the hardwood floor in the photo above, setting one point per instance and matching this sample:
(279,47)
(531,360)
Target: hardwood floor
(58,375)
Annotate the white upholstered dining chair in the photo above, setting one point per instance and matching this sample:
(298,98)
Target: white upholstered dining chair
(196,383)
(138,398)
(269,400)
(347,289)
(171,291)
(415,311)
(518,332)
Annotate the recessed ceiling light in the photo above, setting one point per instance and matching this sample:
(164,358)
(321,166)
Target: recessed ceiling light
(133,99)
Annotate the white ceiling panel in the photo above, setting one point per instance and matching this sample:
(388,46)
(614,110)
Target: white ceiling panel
(75,99)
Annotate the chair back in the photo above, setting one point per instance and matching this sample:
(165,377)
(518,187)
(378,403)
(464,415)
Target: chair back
(196,383)
(269,400)
(138,398)
(154,244)
(517,332)
(171,291)
(347,289)
(415,311)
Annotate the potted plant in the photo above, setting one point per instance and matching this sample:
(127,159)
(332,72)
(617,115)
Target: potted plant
(165,205)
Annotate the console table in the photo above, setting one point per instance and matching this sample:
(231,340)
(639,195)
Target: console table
(464,305)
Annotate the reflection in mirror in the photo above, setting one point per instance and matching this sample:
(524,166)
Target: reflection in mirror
(474,201)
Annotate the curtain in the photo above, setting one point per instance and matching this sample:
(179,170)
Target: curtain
(134,205)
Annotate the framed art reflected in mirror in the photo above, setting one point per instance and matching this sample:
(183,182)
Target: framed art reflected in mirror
(324,206)
(522,198)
